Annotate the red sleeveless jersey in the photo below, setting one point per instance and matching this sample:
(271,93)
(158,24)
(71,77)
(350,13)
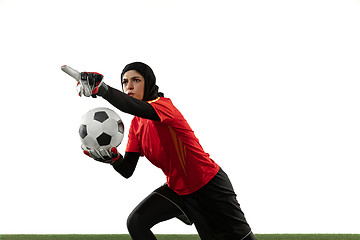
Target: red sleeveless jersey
(172,146)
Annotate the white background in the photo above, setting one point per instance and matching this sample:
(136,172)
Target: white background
(271,89)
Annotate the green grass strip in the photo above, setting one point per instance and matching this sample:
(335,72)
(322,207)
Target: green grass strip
(173,237)
(90,237)
(308,236)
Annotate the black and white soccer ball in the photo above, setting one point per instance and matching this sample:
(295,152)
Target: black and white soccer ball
(101,128)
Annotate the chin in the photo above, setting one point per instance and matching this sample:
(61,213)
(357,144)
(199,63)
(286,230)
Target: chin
(138,98)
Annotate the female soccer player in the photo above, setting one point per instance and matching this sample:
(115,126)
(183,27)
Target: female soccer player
(197,191)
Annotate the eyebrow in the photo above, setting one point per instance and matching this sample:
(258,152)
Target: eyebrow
(131,77)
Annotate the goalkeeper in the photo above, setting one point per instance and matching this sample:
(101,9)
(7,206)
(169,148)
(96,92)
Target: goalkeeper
(197,191)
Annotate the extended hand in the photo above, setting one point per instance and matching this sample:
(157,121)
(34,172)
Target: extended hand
(89,83)
(102,155)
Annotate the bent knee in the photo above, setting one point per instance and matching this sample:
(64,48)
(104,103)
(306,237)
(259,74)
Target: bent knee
(132,222)
(136,222)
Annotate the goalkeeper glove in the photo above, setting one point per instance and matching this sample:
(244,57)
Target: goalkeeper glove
(91,84)
(110,155)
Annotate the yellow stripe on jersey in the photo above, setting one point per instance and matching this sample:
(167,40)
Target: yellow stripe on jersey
(153,100)
(180,149)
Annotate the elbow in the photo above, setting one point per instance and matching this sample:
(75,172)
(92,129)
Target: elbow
(127,175)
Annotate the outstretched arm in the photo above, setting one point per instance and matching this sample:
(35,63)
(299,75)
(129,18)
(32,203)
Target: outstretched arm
(91,84)
(130,105)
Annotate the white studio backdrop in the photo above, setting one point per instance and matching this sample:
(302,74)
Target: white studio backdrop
(271,89)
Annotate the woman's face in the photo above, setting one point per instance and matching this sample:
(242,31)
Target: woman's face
(133,84)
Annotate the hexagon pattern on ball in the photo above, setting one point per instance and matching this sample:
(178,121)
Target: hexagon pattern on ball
(101,128)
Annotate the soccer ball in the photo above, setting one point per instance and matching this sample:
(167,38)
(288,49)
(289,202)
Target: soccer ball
(101,128)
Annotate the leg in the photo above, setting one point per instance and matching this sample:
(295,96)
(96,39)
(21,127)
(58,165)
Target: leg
(251,236)
(216,211)
(149,212)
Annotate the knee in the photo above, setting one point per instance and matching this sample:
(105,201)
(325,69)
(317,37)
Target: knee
(132,222)
(135,223)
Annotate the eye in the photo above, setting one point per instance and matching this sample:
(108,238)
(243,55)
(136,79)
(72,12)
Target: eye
(125,81)
(137,79)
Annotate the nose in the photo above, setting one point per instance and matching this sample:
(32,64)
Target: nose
(129,86)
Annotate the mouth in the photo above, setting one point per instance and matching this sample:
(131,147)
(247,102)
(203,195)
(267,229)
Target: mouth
(130,94)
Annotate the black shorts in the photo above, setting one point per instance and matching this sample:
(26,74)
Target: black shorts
(213,209)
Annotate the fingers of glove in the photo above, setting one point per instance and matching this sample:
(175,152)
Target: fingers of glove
(79,89)
(110,155)
(101,155)
(90,82)
(95,154)
(86,87)
(95,79)
(91,153)
(83,148)
(105,155)
(88,152)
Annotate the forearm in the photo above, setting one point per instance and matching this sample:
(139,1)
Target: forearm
(130,105)
(126,165)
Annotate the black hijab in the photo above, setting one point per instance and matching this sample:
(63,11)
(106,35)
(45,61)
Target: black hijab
(151,89)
